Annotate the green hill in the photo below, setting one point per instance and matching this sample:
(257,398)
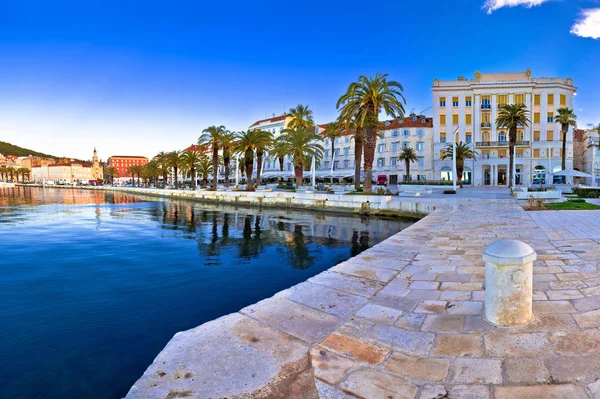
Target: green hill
(10,149)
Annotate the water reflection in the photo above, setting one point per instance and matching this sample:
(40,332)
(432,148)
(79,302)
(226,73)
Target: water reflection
(93,284)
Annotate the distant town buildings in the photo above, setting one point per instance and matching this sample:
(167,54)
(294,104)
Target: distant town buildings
(470,107)
(67,171)
(586,147)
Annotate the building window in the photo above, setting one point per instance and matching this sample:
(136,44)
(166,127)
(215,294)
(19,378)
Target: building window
(468,119)
(347,139)
(414,118)
(536,153)
(550,117)
(405,145)
(382,135)
(455,101)
(326,143)
(421,178)
(468,102)
(346,163)
(337,152)
(381,148)
(549,135)
(420,146)
(550,99)
(395,133)
(326,154)
(536,99)
(380,162)
(455,119)
(326,164)
(485,103)
(501,136)
(420,132)
(442,101)
(468,138)
(519,99)
(421,162)
(442,137)
(406,132)
(563,100)
(394,147)
(536,136)
(536,117)
(393,161)
(423,120)
(346,151)
(336,165)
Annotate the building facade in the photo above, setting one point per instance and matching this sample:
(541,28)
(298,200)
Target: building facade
(414,131)
(123,162)
(470,107)
(275,126)
(587,154)
(66,171)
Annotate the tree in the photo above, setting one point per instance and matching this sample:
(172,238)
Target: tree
(111,173)
(332,132)
(300,143)
(152,171)
(227,142)
(175,162)
(363,101)
(463,151)
(133,171)
(511,117)
(262,145)
(212,136)
(566,117)
(408,155)
(163,162)
(191,159)
(302,117)
(204,167)
(246,143)
(278,151)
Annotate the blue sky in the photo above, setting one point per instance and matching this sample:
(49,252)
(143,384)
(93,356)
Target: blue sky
(140,77)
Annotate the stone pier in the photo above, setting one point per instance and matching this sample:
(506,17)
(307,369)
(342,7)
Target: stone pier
(405,319)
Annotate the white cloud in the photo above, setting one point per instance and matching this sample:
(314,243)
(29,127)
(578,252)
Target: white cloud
(588,25)
(492,5)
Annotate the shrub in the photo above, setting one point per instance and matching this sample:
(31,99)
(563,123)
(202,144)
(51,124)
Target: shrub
(578,200)
(381,191)
(449,191)
(587,192)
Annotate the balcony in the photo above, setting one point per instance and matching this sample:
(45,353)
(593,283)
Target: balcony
(501,105)
(500,144)
(486,106)
(486,125)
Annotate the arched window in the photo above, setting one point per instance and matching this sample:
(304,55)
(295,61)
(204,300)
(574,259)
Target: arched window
(501,136)
(539,174)
(446,173)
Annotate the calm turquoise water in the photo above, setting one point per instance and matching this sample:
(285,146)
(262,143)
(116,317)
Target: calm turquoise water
(93,285)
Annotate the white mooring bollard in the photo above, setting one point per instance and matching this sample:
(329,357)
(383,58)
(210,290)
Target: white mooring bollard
(508,282)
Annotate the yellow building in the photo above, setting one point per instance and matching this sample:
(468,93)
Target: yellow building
(470,107)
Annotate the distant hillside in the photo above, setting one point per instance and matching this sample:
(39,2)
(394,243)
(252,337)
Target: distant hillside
(10,149)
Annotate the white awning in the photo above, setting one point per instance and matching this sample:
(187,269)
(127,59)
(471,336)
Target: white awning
(572,173)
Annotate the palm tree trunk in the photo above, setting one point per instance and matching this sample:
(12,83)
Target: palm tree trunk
(259,159)
(565,129)
(407,170)
(193,176)
(369,150)
(164,179)
(175,175)
(215,167)
(226,163)
(358,150)
(298,172)
(511,154)
(460,168)
(249,161)
(281,164)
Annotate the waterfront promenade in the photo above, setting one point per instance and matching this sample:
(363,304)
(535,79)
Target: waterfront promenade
(404,320)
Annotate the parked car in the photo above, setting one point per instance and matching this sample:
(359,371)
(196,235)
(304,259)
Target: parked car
(382,180)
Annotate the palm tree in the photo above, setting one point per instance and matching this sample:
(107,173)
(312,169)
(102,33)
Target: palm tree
(246,143)
(301,143)
(263,145)
(11,172)
(133,171)
(204,167)
(190,159)
(278,151)
(408,155)
(212,136)
(227,142)
(566,117)
(162,159)
(3,174)
(302,117)
(463,151)
(512,116)
(152,171)
(333,131)
(364,100)
(175,162)
(110,173)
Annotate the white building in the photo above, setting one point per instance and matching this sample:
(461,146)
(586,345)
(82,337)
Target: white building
(414,131)
(587,154)
(471,107)
(63,172)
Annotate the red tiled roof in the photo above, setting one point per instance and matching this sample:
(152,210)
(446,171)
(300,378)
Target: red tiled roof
(274,119)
